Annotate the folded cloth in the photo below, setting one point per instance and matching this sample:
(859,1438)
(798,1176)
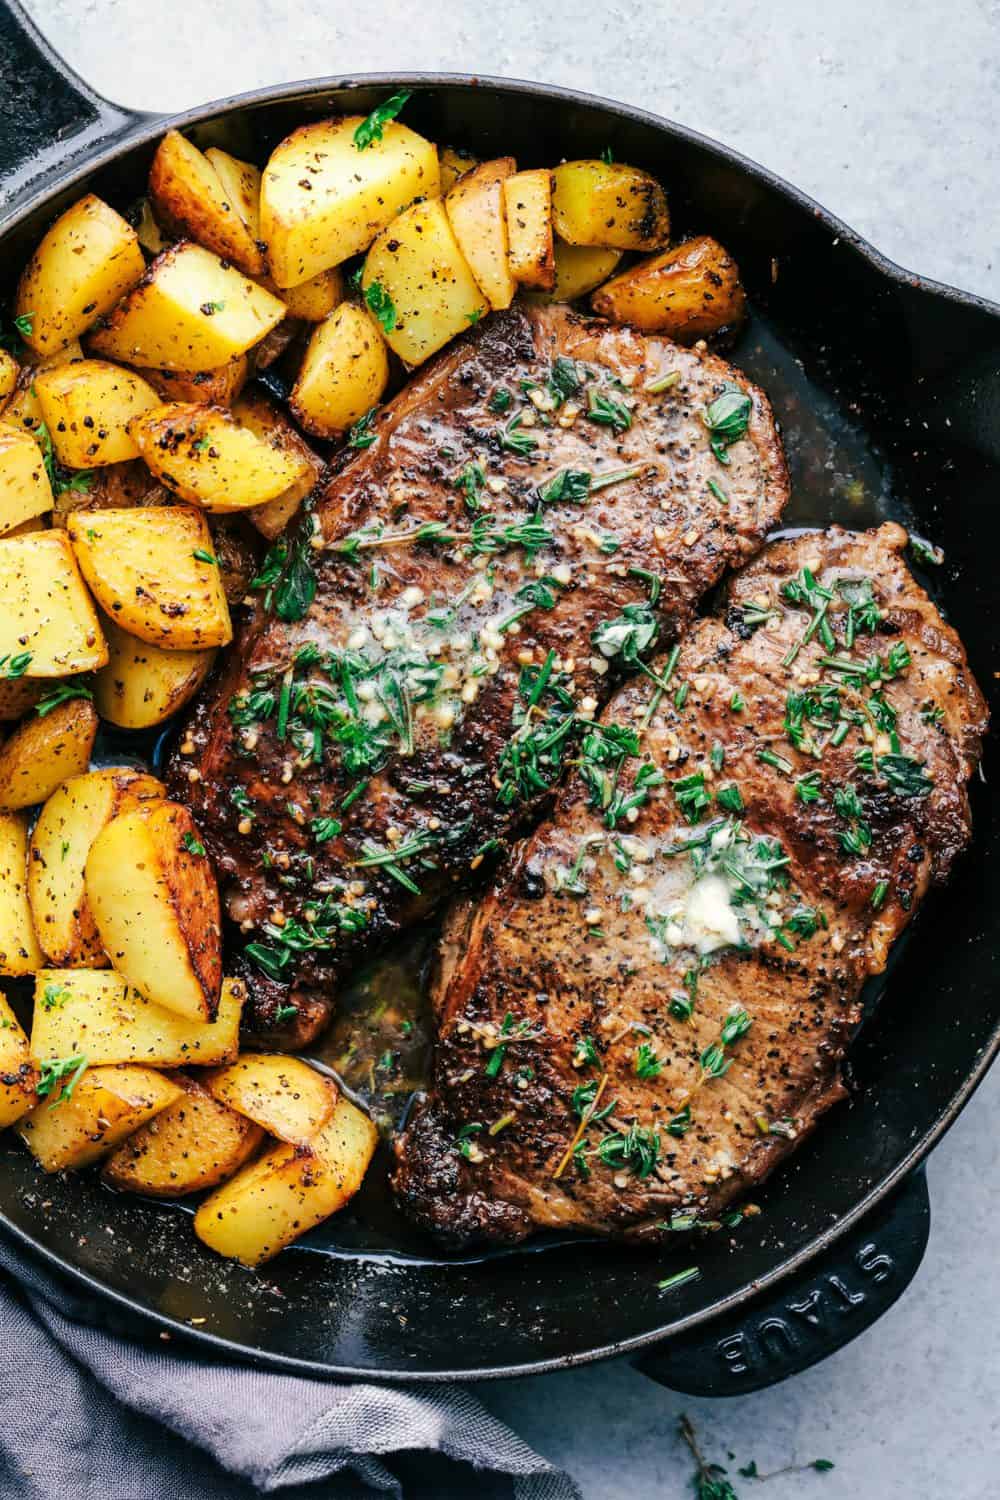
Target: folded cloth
(90,1415)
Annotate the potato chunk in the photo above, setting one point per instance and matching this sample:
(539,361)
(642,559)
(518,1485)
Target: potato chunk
(189,197)
(153,571)
(45,751)
(419,285)
(18,1074)
(48,625)
(103,1019)
(578,270)
(454,163)
(203,455)
(79,1122)
(322,199)
(608,203)
(261,417)
(241,184)
(9,371)
(143,685)
(531,254)
(87,408)
(67,825)
(194,1143)
(19,950)
(690,292)
(477,212)
(289,1190)
(154,899)
(343,374)
(284,1095)
(208,387)
(190,312)
(313,300)
(25,491)
(87,262)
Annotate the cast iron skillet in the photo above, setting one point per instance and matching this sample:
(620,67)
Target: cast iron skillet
(888,389)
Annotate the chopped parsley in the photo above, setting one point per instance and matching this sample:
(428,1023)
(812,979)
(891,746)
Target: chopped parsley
(381,306)
(372,127)
(63,1073)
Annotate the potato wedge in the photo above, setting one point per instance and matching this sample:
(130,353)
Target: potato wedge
(45,751)
(289,1190)
(25,491)
(189,198)
(9,371)
(690,292)
(105,1021)
(531,253)
(18,695)
(155,902)
(208,387)
(87,408)
(78,1123)
(261,417)
(142,685)
(18,1074)
(313,300)
(343,374)
(203,455)
(284,1095)
(190,312)
(454,163)
(419,285)
(578,270)
(610,204)
(67,826)
(477,212)
(48,626)
(322,199)
(19,950)
(194,1143)
(241,184)
(88,261)
(148,570)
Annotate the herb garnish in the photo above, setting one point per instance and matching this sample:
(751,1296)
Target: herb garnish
(287,575)
(607,413)
(513,440)
(381,306)
(61,694)
(12,667)
(64,1071)
(372,127)
(192,844)
(727,419)
(361,434)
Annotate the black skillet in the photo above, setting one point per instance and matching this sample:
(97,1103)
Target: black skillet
(888,389)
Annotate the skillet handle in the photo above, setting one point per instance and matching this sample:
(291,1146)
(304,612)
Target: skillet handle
(808,1316)
(49,118)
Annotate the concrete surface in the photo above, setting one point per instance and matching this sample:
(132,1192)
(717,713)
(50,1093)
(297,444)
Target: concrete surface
(887,113)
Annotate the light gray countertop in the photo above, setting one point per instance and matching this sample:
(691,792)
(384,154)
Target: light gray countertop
(886,113)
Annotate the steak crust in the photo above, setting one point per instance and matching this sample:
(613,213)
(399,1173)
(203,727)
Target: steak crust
(802,783)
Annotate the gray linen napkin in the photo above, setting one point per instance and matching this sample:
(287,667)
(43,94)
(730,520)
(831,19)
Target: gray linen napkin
(92,1416)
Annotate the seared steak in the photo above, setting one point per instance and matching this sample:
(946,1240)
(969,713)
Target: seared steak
(354,764)
(650,1008)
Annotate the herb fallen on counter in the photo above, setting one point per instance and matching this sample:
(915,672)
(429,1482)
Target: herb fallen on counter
(710,1481)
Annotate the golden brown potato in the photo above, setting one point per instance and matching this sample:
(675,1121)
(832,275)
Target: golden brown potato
(284,1095)
(195,1143)
(9,371)
(87,407)
(67,825)
(578,270)
(188,196)
(208,387)
(203,455)
(259,416)
(105,1021)
(45,751)
(289,1190)
(323,200)
(241,184)
(313,300)
(19,950)
(18,695)
(143,685)
(531,253)
(25,491)
(18,1074)
(48,625)
(454,163)
(155,902)
(191,312)
(343,374)
(86,262)
(610,204)
(477,213)
(418,284)
(84,1114)
(690,292)
(153,570)
(23,410)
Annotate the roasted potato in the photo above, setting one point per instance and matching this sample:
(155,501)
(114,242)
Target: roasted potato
(87,261)
(208,387)
(87,408)
(155,903)
(453,164)
(143,685)
(18,695)
(48,625)
(189,198)
(343,374)
(419,285)
(100,1018)
(690,292)
(19,950)
(194,1143)
(531,253)
(259,416)
(25,491)
(154,571)
(150,233)
(610,204)
(241,184)
(9,371)
(79,1122)
(191,312)
(578,270)
(289,1190)
(324,199)
(477,214)
(67,825)
(284,1095)
(313,300)
(203,455)
(18,1074)
(45,751)
(23,410)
